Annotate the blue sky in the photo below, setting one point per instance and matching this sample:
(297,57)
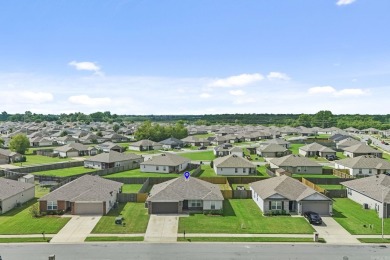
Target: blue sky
(195,57)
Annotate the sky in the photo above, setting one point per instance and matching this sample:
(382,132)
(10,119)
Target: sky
(195,57)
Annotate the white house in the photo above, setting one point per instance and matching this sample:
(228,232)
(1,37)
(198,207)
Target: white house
(165,163)
(113,159)
(364,165)
(371,192)
(361,149)
(233,165)
(14,193)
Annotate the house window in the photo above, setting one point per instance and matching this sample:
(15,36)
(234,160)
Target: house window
(276,205)
(156,168)
(235,170)
(195,203)
(52,205)
(360,171)
(164,168)
(243,170)
(370,171)
(143,166)
(212,205)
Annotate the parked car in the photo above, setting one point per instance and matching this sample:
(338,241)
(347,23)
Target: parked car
(313,217)
(202,148)
(331,157)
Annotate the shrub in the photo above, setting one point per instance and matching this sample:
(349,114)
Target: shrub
(34,211)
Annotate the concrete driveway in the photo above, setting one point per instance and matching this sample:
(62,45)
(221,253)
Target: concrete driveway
(76,230)
(334,233)
(162,228)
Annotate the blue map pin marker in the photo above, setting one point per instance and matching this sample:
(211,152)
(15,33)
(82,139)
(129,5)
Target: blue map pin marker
(187,175)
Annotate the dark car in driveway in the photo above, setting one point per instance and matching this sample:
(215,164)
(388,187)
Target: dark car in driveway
(313,217)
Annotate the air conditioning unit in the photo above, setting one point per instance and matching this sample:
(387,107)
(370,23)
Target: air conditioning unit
(365,206)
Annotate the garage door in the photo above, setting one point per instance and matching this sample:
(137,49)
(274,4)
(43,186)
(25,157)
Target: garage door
(88,208)
(165,208)
(321,207)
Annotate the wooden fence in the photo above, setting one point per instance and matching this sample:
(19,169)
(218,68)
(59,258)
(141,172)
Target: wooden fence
(343,173)
(48,167)
(313,186)
(132,197)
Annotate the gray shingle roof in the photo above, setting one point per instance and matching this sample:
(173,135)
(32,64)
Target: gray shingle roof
(233,161)
(276,141)
(171,141)
(293,160)
(113,156)
(285,186)
(372,186)
(9,188)
(180,189)
(365,162)
(85,188)
(361,148)
(72,146)
(167,159)
(272,148)
(144,143)
(314,147)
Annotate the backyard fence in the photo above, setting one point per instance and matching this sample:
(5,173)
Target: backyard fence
(313,186)
(48,167)
(132,197)
(343,173)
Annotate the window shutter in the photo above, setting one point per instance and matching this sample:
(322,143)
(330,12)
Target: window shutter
(282,205)
(270,207)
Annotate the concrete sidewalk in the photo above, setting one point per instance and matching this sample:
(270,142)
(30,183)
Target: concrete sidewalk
(162,228)
(76,230)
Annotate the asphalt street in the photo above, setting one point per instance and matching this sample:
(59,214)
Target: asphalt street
(189,251)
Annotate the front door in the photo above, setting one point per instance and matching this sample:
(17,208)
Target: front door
(185,204)
(291,206)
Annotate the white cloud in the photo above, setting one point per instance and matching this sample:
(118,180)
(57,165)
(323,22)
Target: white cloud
(237,81)
(277,75)
(85,65)
(237,92)
(344,2)
(35,97)
(243,101)
(88,101)
(337,93)
(205,95)
(322,90)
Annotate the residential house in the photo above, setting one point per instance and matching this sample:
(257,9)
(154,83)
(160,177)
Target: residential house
(272,151)
(196,141)
(277,141)
(68,139)
(286,194)
(113,159)
(115,138)
(86,195)
(14,193)
(72,150)
(371,192)
(296,164)
(8,156)
(181,195)
(361,149)
(233,165)
(227,149)
(172,143)
(346,142)
(106,147)
(316,149)
(165,163)
(145,145)
(364,165)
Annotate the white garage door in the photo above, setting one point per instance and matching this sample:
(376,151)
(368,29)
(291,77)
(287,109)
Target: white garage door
(88,208)
(321,207)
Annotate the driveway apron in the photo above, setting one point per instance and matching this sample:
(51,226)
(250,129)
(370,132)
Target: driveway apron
(334,233)
(162,228)
(76,230)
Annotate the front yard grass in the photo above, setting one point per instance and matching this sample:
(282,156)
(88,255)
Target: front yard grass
(243,216)
(199,156)
(40,159)
(24,240)
(65,172)
(113,238)
(340,155)
(131,188)
(357,220)
(294,148)
(20,221)
(374,240)
(135,216)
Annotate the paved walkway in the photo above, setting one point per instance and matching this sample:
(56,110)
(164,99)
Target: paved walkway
(162,228)
(334,233)
(76,230)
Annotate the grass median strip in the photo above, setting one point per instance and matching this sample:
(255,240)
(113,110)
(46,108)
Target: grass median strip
(374,240)
(248,239)
(111,238)
(23,239)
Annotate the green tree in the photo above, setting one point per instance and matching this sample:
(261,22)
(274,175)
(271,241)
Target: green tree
(19,143)
(115,127)
(1,142)
(63,133)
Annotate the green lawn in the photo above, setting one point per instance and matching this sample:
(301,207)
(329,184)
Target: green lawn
(135,218)
(20,221)
(207,171)
(111,238)
(137,173)
(333,187)
(356,220)
(243,216)
(294,148)
(40,159)
(24,240)
(131,188)
(40,191)
(66,172)
(199,156)
(340,155)
(246,239)
(374,240)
